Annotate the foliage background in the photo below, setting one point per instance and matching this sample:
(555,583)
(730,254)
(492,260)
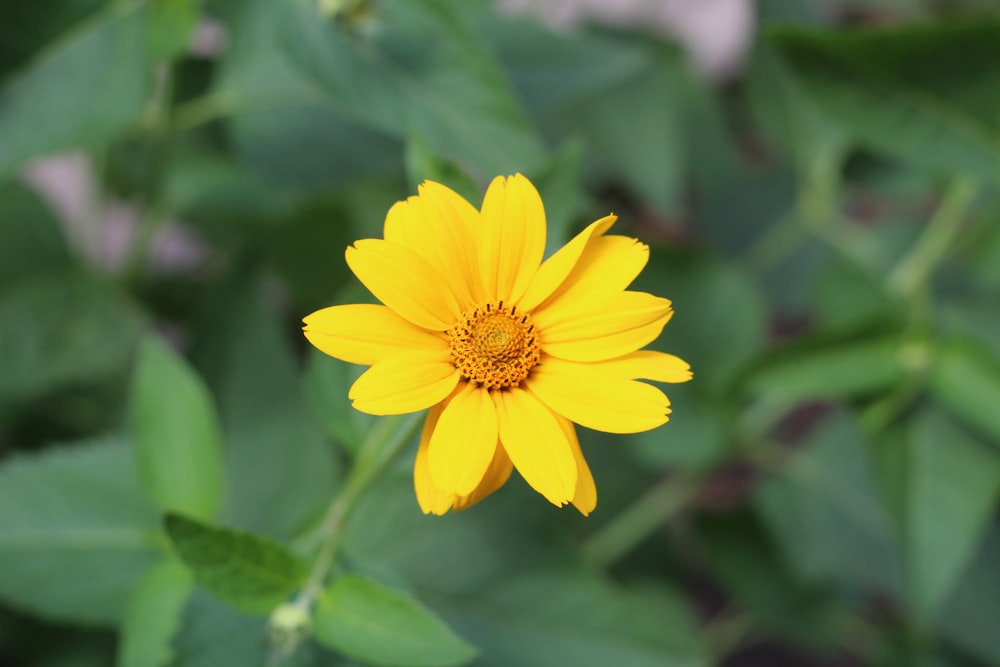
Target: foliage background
(825,221)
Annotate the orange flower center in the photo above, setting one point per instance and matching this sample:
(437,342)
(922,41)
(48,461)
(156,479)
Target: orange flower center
(494,346)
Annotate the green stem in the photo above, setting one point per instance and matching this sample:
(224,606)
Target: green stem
(635,524)
(381,446)
(912,273)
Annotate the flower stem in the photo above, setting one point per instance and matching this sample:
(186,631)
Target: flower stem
(635,524)
(913,271)
(381,446)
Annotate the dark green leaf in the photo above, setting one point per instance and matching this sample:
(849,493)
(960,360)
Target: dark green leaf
(825,513)
(968,619)
(249,572)
(76,532)
(176,434)
(27,28)
(924,93)
(380,626)
(551,619)
(85,91)
(953,484)
(153,616)
(966,379)
(60,330)
(327,383)
(31,241)
(171,26)
(448,90)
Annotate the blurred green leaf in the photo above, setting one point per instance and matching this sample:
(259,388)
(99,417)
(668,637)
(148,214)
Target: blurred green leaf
(569,617)
(953,484)
(31,241)
(696,437)
(60,330)
(366,621)
(170,28)
(719,322)
(807,370)
(280,471)
(249,572)
(153,616)
(968,619)
(76,532)
(923,93)
(26,28)
(850,298)
(176,434)
(327,383)
(422,164)
(823,510)
(751,568)
(449,90)
(86,90)
(966,379)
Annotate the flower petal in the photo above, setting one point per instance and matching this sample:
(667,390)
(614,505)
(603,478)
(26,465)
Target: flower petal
(405,382)
(512,238)
(430,499)
(432,226)
(649,365)
(463,442)
(366,333)
(496,476)
(404,281)
(597,399)
(536,444)
(585,498)
(608,264)
(556,268)
(603,327)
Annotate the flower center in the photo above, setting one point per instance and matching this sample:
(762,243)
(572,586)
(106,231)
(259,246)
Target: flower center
(494,346)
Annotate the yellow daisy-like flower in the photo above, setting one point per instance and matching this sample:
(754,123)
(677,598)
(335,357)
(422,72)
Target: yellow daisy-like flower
(506,350)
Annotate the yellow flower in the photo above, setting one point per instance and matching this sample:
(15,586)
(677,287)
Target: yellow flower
(506,350)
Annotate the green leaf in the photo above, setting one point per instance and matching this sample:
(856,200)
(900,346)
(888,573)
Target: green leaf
(84,91)
(76,532)
(968,619)
(27,28)
(249,572)
(327,383)
(176,434)
(747,564)
(60,330)
(966,379)
(824,511)
(153,616)
(923,93)
(171,26)
(570,617)
(380,626)
(31,241)
(953,487)
(448,90)
(829,369)
(280,471)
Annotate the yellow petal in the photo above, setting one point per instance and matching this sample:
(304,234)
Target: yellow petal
(585,498)
(405,282)
(597,399)
(464,441)
(365,333)
(429,226)
(556,268)
(603,327)
(536,444)
(429,497)
(512,238)
(608,264)
(406,382)
(647,364)
(496,476)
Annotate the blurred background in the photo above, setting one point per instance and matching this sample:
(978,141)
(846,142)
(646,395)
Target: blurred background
(817,181)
